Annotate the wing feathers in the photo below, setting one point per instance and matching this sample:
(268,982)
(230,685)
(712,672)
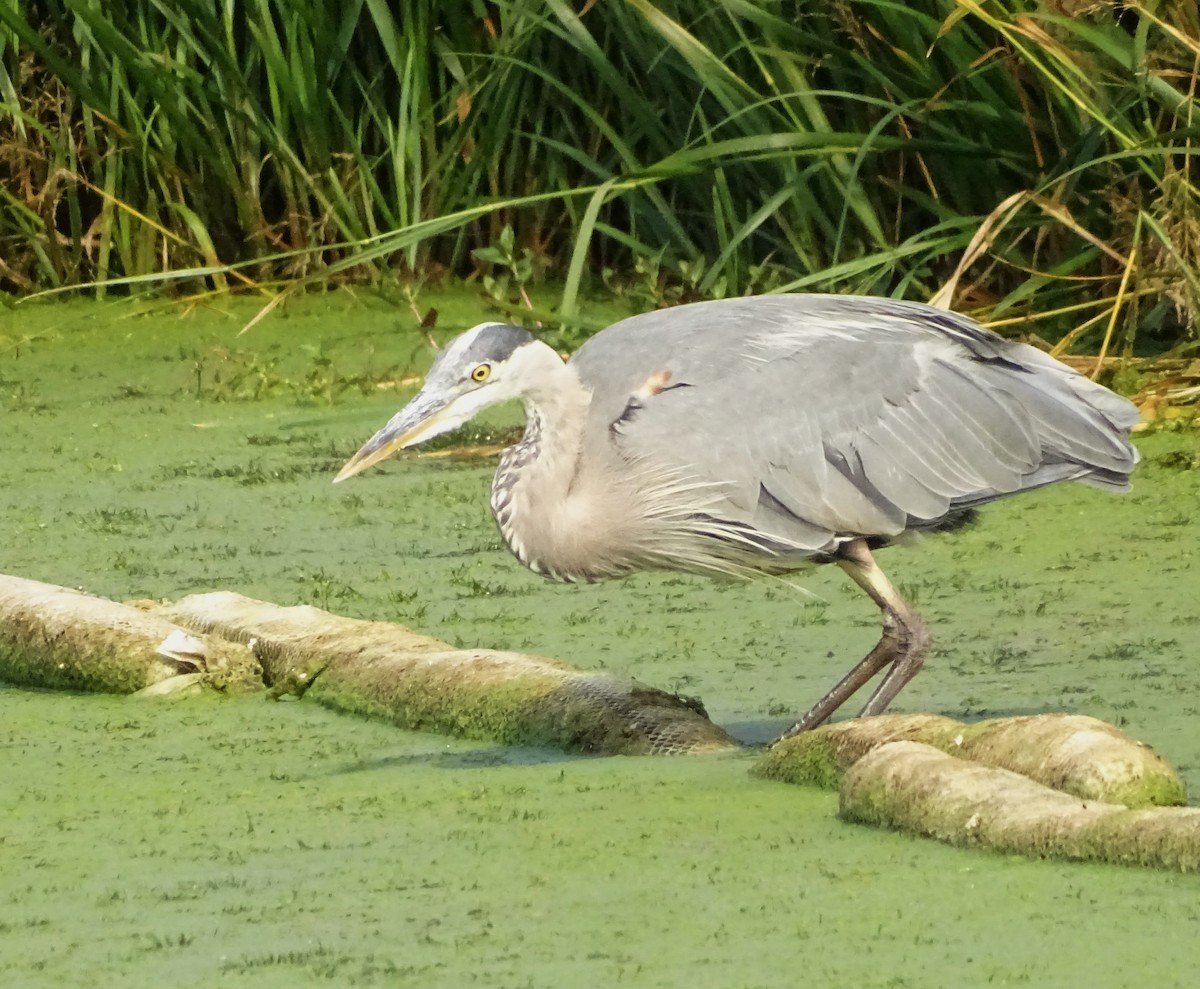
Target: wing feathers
(826,416)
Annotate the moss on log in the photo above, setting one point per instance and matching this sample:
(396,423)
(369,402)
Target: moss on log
(1083,756)
(386,671)
(60,639)
(821,757)
(1073,753)
(920,789)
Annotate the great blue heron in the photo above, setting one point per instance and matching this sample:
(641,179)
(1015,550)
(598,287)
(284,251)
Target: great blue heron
(758,435)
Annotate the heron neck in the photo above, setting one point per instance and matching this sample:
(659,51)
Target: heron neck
(531,494)
(555,416)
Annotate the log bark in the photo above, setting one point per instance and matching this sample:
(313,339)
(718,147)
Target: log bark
(919,789)
(56,638)
(386,671)
(1073,753)
(62,639)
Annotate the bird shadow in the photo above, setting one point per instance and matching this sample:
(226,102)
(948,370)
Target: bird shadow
(752,734)
(498,755)
(756,734)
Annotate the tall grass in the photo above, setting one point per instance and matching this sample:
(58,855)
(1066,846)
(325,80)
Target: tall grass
(1019,156)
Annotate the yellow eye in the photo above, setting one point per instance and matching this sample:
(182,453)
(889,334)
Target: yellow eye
(481,373)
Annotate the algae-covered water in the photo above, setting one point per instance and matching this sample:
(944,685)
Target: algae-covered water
(152,452)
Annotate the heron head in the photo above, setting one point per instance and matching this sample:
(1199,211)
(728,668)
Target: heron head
(484,366)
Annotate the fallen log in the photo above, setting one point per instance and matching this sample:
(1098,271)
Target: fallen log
(382,670)
(62,639)
(917,788)
(1079,755)
(57,638)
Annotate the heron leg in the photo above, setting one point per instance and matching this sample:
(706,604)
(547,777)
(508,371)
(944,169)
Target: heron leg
(904,642)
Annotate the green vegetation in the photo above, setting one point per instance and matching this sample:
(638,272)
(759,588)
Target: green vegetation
(1027,158)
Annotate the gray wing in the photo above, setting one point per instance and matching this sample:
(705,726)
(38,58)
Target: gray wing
(821,416)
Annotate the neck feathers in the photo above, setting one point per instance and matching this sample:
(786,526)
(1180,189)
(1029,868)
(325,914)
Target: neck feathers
(534,497)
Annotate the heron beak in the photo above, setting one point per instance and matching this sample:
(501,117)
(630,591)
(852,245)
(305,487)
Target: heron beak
(419,420)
